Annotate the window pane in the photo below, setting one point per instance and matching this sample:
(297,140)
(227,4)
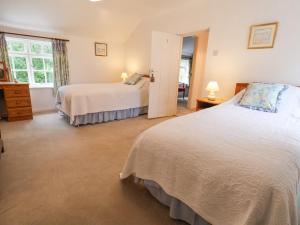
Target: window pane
(20,63)
(184,76)
(39,77)
(38,63)
(49,64)
(22,76)
(36,48)
(50,77)
(17,46)
(47,48)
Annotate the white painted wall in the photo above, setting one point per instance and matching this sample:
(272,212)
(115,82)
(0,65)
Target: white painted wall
(229,22)
(85,67)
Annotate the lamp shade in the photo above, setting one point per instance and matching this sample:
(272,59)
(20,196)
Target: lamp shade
(124,76)
(213,86)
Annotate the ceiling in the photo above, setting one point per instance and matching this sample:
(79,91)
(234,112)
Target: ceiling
(108,19)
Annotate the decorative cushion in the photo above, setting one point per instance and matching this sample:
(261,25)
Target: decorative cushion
(263,97)
(133,79)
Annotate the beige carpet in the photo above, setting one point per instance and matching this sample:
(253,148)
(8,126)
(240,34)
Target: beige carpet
(55,174)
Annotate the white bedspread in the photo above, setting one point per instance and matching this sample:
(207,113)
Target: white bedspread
(81,99)
(231,165)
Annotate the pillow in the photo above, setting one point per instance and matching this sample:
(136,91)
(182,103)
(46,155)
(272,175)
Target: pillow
(263,97)
(133,79)
(290,100)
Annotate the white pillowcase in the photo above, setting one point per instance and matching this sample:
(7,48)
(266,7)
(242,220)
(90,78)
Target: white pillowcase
(290,101)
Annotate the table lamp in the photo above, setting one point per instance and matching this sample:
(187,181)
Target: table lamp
(124,76)
(212,87)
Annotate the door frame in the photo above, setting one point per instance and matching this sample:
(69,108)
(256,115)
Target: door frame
(198,65)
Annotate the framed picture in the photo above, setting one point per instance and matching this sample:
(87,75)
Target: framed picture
(262,36)
(3,74)
(100,49)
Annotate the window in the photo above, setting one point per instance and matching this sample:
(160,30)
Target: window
(184,76)
(31,61)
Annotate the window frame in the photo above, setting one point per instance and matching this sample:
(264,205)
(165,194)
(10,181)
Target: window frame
(29,55)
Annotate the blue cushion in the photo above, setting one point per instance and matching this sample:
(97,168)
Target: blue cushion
(263,97)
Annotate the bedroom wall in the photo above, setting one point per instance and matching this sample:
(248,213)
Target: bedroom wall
(228,59)
(85,67)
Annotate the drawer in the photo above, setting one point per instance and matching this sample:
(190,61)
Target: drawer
(18,102)
(13,92)
(18,112)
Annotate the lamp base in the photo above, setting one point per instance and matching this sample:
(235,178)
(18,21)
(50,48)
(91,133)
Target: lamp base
(211,97)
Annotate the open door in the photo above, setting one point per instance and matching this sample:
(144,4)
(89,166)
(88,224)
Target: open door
(165,67)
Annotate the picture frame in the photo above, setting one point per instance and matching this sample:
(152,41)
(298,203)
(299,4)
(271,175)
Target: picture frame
(100,49)
(262,36)
(3,72)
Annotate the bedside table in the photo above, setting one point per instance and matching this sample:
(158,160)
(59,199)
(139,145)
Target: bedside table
(204,103)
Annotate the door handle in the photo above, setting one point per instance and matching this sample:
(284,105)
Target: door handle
(152,78)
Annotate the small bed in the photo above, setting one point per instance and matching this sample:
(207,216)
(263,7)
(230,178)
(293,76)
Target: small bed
(85,104)
(227,165)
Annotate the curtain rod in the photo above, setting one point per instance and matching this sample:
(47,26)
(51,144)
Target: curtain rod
(34,36)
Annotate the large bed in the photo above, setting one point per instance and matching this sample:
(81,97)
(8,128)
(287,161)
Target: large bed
(102,102)
(226,165)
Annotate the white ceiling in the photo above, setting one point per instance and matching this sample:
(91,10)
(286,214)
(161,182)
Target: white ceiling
(108,19)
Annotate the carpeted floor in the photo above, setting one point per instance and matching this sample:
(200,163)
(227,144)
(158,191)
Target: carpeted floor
(55,174)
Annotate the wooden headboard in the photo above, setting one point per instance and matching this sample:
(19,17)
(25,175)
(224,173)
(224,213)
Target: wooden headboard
(240,86)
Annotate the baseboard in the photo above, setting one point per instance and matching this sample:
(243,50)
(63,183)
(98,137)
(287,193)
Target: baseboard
(44,111)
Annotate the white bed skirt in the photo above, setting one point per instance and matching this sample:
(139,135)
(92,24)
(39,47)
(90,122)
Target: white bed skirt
(178,210)
(102,117)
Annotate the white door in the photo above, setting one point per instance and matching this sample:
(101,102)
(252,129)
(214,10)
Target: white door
(165,66)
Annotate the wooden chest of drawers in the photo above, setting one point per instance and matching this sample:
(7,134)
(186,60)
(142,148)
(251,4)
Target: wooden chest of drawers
(17,101)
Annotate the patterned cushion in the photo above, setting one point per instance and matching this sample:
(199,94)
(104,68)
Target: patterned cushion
(263,97)
(133,79)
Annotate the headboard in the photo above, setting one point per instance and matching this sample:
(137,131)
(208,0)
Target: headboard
(240,86)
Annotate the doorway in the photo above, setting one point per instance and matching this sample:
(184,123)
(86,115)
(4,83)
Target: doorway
(192,69)
(188,48)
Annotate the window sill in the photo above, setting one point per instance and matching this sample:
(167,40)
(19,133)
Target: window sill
(41,86)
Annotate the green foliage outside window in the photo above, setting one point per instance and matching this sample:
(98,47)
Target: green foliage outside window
(36,48)
(20,63)
(22,76)
(38,63)
(17,46)
(39,77)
